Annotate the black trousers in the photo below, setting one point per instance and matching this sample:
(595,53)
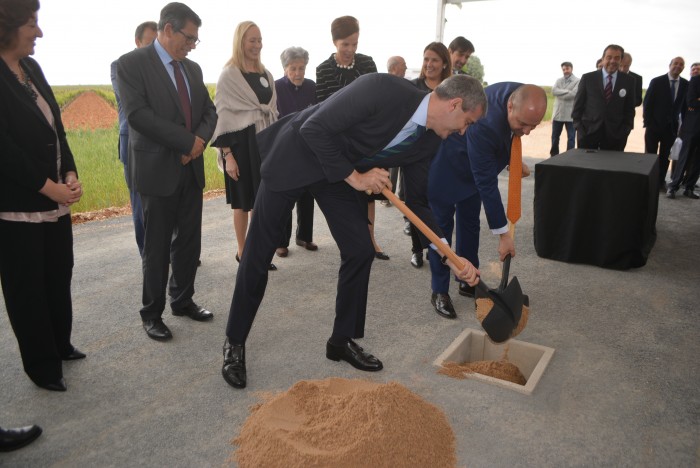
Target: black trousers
(173,238)
(36,266)
(601,139)
(688,163)
(659,142)
(305,220)
(345,211)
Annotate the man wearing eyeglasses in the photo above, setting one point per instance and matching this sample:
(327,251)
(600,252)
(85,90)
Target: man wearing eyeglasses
(171,118)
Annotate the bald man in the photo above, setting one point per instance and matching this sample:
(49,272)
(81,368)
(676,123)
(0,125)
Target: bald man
(396,66)
(464,174)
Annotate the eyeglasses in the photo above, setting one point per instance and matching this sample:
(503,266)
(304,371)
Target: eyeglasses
(191,40)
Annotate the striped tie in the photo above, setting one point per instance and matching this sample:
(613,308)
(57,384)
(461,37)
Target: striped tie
(608,89)
(399,147)
(515,174)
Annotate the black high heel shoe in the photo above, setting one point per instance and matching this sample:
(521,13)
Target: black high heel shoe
(272,266)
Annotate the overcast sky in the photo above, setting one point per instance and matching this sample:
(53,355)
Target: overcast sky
(516,40)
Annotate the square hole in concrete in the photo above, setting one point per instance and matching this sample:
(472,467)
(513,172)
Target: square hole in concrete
(473,345)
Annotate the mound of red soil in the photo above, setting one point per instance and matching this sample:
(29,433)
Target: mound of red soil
(89,111)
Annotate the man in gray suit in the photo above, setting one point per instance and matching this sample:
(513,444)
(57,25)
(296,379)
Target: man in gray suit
(564,92)
(171,117)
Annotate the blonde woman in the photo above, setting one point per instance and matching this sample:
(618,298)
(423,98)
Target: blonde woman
(246,103)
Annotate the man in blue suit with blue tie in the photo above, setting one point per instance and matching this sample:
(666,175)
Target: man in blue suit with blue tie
(144,36)
(464,174)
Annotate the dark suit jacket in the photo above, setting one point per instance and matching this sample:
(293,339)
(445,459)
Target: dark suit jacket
(326,142)
(637,88)
(28,142)
(157,134)
(660,113)
(469,164)
(591,112)
(691,122)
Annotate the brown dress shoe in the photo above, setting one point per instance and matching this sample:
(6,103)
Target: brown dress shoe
(282,252)
(307,245)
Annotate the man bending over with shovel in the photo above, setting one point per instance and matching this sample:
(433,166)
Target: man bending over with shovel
(336,150)
(465,173)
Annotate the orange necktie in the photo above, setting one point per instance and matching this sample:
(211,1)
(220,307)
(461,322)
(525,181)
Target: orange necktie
(514,179)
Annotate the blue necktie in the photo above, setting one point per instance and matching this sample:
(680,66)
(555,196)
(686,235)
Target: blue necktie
(399,147)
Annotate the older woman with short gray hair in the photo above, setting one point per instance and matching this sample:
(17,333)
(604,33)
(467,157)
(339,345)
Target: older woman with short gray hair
(296,93)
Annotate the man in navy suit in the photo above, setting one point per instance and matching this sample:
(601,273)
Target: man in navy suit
(144,36)
(604,106)
(336,150)
(689,159)
(663,103)
(464,174)
(171,117)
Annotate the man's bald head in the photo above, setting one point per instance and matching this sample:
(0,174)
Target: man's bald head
(526,108)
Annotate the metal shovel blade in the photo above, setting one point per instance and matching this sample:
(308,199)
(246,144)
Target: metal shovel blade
(507,310)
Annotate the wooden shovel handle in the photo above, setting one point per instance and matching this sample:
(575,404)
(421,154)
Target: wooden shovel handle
(422,227)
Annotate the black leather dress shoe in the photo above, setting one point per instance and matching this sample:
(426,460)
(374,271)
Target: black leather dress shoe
(691,194)
(466,290)
(671,194)
(307,245)
(352,353)
(381,256)
(75,354)
(13,439)
(417,259)
(443,305)
(194,312)
(157,330)
(234,365)
(57,386)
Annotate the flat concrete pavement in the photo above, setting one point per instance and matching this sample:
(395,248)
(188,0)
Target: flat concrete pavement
(621,390)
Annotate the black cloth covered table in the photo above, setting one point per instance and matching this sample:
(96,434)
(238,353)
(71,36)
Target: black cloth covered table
(597,208)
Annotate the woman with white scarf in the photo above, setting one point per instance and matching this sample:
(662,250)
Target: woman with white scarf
(246,103)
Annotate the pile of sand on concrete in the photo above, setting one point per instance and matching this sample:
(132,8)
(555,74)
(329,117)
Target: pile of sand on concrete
(503,370)
(345,423)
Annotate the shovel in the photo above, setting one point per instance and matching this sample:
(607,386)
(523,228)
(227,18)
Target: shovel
(505,315)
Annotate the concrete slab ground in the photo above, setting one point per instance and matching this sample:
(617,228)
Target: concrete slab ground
(621,390)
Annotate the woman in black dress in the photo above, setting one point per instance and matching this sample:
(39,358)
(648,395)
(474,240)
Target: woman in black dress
(437,66)
(246,103)
(338,71)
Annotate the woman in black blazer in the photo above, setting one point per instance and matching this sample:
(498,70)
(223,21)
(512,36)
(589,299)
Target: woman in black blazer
(39,184)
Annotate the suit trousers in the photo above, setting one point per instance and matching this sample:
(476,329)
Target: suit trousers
(467,220)
(173,236)
(36,266)
(659,142)
(345,210)
(134,197)
(601,139)
(305,221)
(688,164)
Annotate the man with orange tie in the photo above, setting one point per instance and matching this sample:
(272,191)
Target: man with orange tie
(464,174)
